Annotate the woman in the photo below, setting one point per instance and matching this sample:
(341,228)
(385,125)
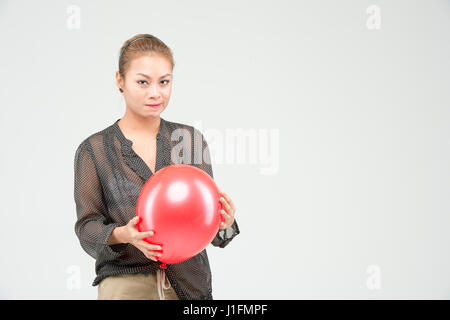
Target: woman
(111,167)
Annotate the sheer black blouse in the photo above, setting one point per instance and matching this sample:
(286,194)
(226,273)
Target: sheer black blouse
(109,176)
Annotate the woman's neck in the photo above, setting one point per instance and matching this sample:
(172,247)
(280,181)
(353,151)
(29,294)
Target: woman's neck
(140,126)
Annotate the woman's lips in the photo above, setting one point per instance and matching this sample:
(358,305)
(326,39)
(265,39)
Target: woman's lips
(154,106)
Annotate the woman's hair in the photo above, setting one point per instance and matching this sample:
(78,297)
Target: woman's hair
(140,45)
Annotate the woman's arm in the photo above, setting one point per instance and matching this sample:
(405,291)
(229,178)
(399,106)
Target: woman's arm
(117,236)
(91,226)
(202,160)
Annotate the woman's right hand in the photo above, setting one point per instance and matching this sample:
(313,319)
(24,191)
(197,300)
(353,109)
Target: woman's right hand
(134,237)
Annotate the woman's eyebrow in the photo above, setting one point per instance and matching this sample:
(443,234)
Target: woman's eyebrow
(142,74)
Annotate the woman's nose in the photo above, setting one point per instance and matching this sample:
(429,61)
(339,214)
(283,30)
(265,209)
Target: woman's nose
(154,91)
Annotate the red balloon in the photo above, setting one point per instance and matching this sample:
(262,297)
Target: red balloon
(181,204)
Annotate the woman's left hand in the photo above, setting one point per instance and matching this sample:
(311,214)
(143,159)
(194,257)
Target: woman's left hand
(228,212)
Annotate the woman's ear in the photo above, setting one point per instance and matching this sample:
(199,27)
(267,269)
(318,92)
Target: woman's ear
(119,81)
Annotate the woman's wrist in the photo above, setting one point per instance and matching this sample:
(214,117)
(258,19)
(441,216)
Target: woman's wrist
(117,236)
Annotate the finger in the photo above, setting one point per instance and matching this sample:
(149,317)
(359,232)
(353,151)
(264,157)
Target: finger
(154,253)
(229,210)
(229,200)
(225,203)
(229,219)
(135,220)
(223,215)
(223,225)
(146,234)
(152,247)
(149,256)
(226,216)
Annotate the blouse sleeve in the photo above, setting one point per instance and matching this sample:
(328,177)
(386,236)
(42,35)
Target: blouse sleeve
(91,226)
(203,161)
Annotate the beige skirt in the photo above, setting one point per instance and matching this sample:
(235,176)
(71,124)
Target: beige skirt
(152,286)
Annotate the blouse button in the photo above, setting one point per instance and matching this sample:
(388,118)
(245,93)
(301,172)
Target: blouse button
(126,149)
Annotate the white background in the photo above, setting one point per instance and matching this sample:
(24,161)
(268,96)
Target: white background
(362,114)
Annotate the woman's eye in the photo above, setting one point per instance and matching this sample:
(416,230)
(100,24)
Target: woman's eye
(140,81)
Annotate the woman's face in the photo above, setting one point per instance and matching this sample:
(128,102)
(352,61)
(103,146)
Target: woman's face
(147,81)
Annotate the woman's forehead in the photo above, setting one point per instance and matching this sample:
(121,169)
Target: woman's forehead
(150,61)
